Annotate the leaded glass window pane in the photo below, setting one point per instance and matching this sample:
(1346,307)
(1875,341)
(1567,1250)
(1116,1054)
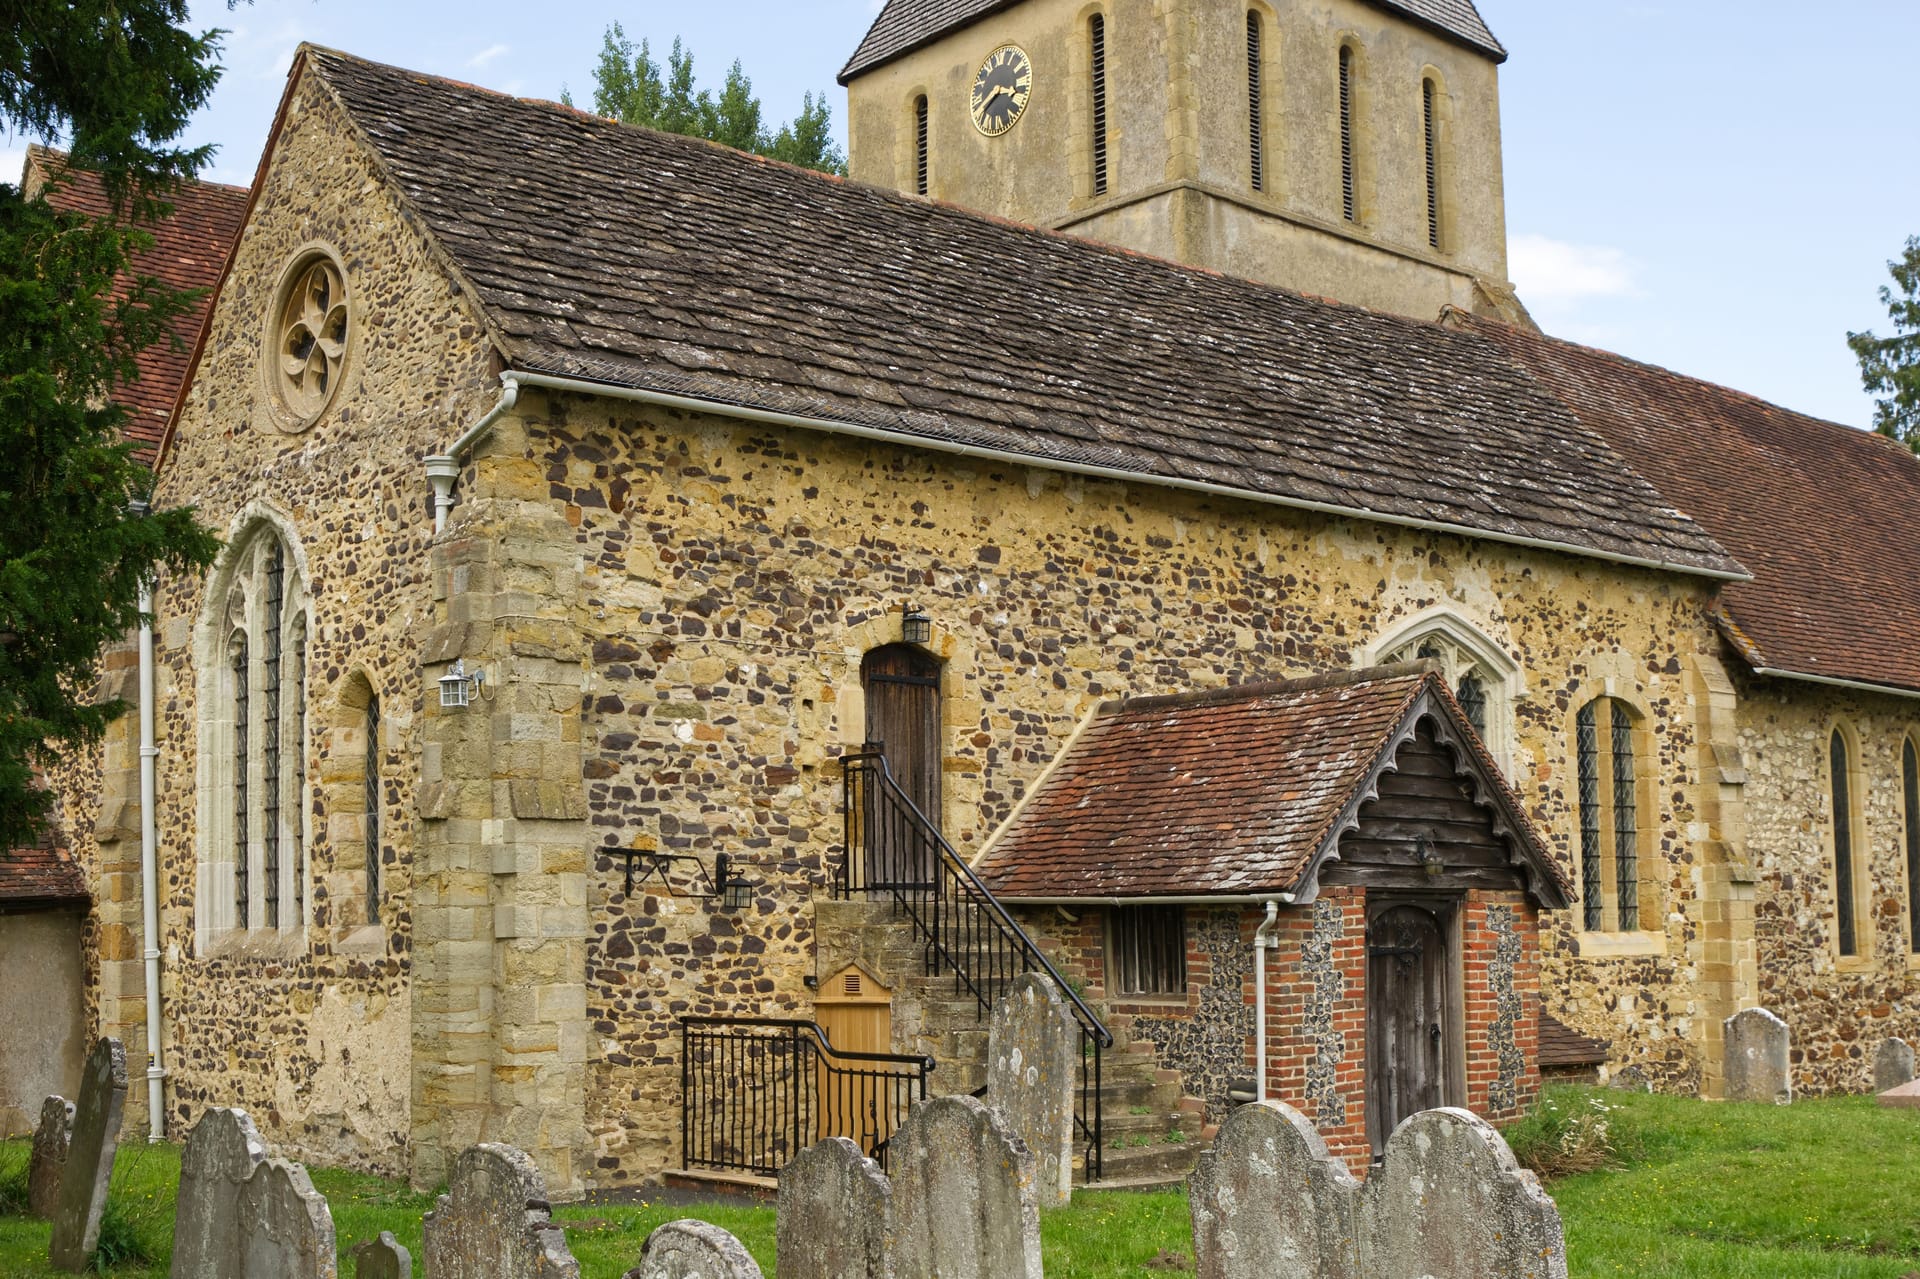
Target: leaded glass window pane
(1910,776)
(1842,844)
(242,810)
(1592,893)
(270,737)
(373,809)
(1473,700)
(1626,834)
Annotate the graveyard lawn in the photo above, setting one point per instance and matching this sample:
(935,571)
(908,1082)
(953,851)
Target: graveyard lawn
(1823,1188)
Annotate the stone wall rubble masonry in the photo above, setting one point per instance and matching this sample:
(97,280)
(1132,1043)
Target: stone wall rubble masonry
(243,1214)
(1033,1059)
(963,1197)
(694,1250)
(89,1166)
(382,1258)
(1450,1199)
(494,1221)
(52,1137)
(1892,1064)
(835,1218)
(1759,1059)
(1269,1201)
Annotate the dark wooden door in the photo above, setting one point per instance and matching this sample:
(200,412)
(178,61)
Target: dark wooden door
(902,683)
(1409,1025)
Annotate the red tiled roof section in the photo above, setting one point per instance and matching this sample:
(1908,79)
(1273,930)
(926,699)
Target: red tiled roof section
(1562,1045)
(1820,513)
(686,270)
(1228,793)
(190,249)
(42,875)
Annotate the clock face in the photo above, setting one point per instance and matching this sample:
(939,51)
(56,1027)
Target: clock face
(1000,90)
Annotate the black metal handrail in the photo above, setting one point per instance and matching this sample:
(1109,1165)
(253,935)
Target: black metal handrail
(892,848)
(756,1091)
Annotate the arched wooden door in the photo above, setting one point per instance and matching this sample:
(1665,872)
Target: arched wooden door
(1410,1028)
(902,683)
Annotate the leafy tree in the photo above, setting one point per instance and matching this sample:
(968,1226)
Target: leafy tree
(118,78)
(629,86)
(1890,366)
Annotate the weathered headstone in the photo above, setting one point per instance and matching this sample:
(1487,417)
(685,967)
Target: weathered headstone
(1450,1199)
(50,1142)
(1033,1060)
(836,1208)
(1758,1063)
(96,1137)
(963,1197)
(382,1258)
(494,1221)
(1892,1065)
(695,1250)
(1269,1202)
(241,1213)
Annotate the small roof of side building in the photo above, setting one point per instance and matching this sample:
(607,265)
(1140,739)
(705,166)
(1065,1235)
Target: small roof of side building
(41,877)
(190,250)
(903,26)
(1240,792)
(1822,514)
(678,268)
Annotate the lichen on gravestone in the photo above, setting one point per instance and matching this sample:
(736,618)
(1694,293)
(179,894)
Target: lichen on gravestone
(1892,1065)
(690,1249)
(51,1138)
(835,1215)
(243,1214)
(89,1166)
(382,1258)
(1758,1064)
(1033,1056)
(1269,1202)
(963,1195)
(494,1221)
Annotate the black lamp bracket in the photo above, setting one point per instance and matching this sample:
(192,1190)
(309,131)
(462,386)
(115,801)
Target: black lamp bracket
(701,884)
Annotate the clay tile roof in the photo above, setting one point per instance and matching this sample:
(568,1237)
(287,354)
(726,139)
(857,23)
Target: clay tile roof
(1562,1045)
(190,249)
(651,261)
(1233,792)
(903,26)
(1821,514)
(40,876)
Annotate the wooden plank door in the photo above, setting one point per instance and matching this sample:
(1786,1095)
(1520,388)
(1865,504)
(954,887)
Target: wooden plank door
(1409,1024)
(902,683)
(856,1014)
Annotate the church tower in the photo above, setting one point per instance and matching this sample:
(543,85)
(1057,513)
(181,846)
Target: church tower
(1344,148)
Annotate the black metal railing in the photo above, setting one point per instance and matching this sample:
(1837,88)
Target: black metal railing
(891,849)
(758,1091)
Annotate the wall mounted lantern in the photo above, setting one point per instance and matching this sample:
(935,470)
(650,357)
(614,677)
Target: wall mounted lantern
(459,686)
(724,884)
(1429,860)
(916,627)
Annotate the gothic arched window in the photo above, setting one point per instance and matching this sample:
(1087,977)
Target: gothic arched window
(1482,678)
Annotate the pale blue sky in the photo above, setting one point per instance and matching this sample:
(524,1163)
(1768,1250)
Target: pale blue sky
(1712,185)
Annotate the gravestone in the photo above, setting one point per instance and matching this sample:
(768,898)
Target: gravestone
(963,1196)
(1269,1202)
(89,1166)
(1905,1097)
(243,1214)
(1450,1199)
(1892,1065)
(494,1221)
(382,1258)
(1033,1061)
(1758,1065)
(50,1142)
(836,1207)
(695,1250)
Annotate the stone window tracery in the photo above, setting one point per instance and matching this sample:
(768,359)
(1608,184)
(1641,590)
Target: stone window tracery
(253,720)
(308,350)
(1480,688)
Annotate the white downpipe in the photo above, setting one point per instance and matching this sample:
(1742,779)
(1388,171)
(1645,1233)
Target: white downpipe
(150,874)
(443,469)
(1262,940)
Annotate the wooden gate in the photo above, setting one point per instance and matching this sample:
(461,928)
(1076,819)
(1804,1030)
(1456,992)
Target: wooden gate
(1410,1021)
(902,683)
(856,1012)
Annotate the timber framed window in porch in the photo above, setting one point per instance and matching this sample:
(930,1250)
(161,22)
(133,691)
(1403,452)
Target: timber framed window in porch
(1147,952)
(1614,818)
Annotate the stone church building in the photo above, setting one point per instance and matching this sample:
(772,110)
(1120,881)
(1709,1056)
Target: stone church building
(680,612)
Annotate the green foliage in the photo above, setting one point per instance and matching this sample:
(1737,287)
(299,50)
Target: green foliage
(121,79)
(1565,1134)
(1890,366)
(629,86)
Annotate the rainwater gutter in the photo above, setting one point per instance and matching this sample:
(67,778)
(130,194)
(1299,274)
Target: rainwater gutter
(149,866)
(1263,941)
(514,379)
(1217,899)
(443,469)
(1858,686)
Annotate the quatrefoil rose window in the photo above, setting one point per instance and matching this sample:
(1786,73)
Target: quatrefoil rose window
(310,337)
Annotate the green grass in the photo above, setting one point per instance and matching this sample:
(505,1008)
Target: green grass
(1824,1189)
